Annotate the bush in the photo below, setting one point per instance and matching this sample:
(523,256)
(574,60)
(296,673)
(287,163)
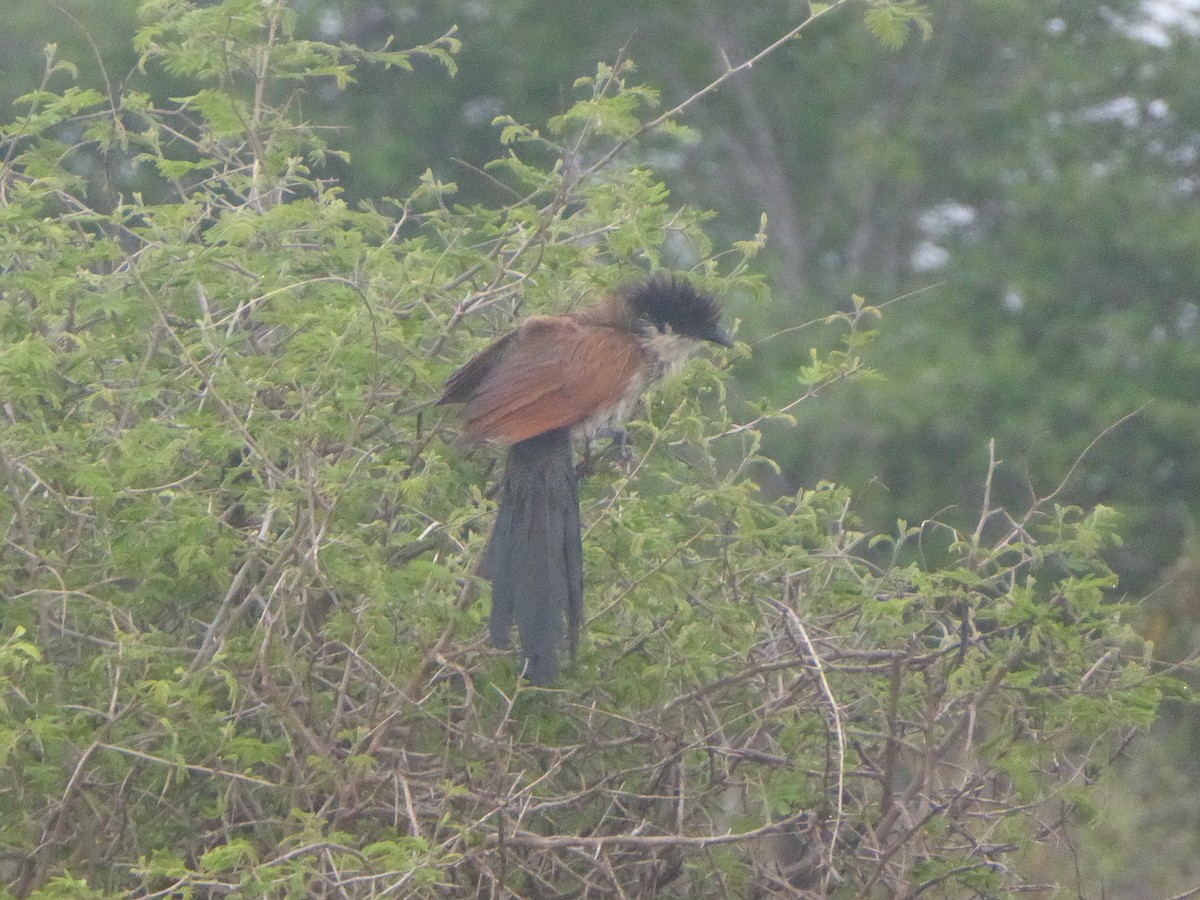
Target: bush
(242,646)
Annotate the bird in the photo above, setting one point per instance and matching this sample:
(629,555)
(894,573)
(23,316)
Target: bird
(551,381)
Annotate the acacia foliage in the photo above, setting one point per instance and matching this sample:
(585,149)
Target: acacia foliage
(242,640)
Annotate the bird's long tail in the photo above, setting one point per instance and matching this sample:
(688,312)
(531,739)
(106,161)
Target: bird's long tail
(534,558)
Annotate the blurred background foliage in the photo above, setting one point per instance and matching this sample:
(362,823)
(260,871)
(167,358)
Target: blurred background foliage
(1026,178)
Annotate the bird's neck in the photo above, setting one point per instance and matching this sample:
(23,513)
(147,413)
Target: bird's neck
(666,353)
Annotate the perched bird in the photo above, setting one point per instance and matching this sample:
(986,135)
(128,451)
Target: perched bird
(552,379)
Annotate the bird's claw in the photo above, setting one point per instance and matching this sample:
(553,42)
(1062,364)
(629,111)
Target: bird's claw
(621,451)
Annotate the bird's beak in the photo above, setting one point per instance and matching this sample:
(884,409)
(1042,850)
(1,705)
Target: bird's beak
(719,335)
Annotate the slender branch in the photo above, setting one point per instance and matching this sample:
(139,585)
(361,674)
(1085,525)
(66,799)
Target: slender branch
(840,734)
(191,767)
(709,88)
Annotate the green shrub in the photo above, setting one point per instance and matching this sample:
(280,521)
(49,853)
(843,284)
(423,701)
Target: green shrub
(242,634)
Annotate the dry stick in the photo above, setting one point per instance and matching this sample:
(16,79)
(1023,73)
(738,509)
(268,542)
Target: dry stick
(599,842)
(191,767)
(985,512)
(835,714)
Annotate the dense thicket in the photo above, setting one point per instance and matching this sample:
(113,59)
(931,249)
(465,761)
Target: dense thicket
(242,635)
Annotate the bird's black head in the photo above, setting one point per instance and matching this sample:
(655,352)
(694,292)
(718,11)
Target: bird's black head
(672,300)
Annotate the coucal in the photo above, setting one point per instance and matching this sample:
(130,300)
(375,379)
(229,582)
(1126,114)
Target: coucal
(553,379)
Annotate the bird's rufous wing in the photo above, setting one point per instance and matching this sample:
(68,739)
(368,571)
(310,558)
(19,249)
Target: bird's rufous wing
(465,380)
(551,373)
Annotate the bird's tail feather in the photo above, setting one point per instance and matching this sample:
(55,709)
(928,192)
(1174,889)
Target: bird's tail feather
(535,555)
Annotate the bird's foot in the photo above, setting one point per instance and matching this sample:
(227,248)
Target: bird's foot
(620,450)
